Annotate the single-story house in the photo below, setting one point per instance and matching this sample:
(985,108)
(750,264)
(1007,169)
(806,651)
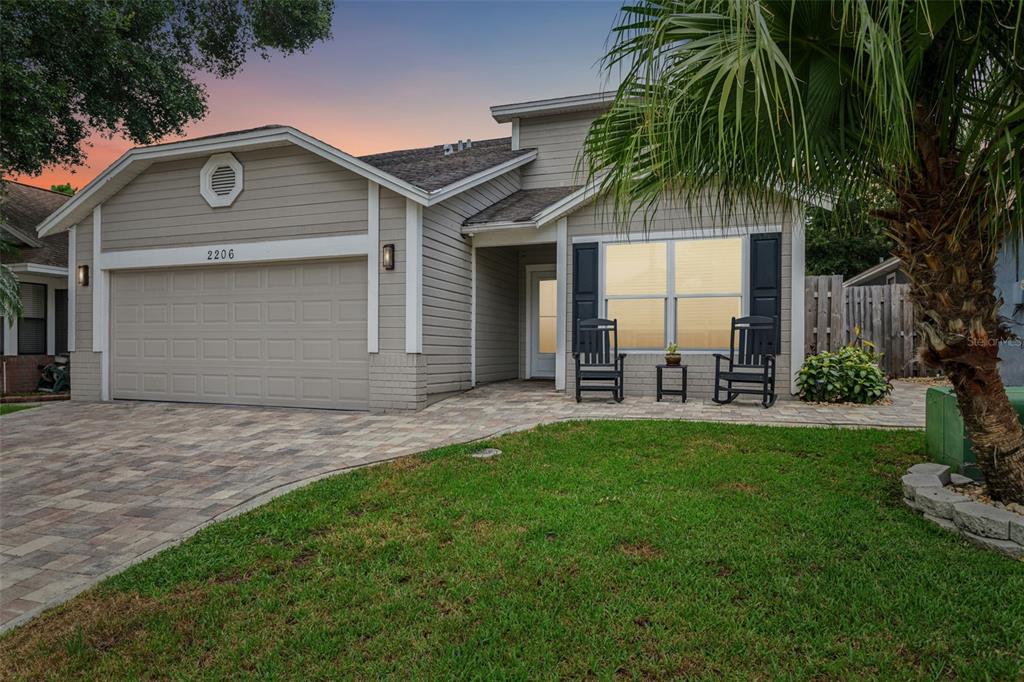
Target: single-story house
(1009,285)
(40,265)
(266,267)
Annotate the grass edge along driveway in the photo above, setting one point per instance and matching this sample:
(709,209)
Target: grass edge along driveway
(645,549)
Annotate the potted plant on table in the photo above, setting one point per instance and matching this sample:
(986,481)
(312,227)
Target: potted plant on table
(672,356)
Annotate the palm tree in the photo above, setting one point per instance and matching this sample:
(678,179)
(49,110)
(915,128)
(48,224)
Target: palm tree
(912,108)
(10,290)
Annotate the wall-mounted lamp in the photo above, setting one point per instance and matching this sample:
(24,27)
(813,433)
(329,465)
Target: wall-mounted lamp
(83,275)
(387,257)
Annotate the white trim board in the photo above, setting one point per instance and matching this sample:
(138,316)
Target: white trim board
(798,263)
(517,237)
(72,285)
(243,252)
(472,315)
(562,285)
(687,233)
(373,267)
(37,269)
(413,277)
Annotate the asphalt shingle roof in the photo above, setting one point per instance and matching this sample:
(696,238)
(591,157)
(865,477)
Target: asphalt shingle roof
(521,206)
(428,168)
(22,207)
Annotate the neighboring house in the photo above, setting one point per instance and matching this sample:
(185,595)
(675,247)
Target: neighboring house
(266,267)
(889,271)
(1009,285)
(40,264)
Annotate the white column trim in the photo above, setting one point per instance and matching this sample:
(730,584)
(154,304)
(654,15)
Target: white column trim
(561,284)
(51,319)
(100,303)
(373,267)
(798,262)
(515,134)
(72,285)
(472,316)
(10,336)
(413,277)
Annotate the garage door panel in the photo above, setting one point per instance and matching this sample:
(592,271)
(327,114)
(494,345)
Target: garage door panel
(281,334)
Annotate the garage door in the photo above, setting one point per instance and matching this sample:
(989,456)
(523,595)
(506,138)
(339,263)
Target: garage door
(286,334)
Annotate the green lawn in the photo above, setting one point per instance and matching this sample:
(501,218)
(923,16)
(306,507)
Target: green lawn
(8,408)
(603,549)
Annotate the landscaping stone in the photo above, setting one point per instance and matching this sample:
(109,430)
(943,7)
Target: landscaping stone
(486,453)
(1007,547)
(964,508)
(914,482)
(981,519)
(941,471)
(945,524)
(1017,530)
(938,502)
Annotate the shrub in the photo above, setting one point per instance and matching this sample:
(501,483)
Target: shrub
(850,375)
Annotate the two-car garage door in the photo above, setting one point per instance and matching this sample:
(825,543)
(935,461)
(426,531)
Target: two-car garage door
(284,334)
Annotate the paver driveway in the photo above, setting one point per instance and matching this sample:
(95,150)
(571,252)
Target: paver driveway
(90,488)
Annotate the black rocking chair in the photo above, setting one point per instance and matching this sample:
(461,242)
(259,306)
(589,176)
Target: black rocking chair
(749,369)
(598,360)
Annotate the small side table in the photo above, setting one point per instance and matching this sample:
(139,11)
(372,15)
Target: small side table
(671,391)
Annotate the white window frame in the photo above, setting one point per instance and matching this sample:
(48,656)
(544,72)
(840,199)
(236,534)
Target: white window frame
(670,296)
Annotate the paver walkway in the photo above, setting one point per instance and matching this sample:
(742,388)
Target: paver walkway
(87,489)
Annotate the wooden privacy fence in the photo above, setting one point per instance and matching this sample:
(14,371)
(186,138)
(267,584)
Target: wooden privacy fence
(885,316)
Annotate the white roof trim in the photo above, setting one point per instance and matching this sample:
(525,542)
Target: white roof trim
(567,204)
(503,113)
(885,267)
(480,228)
(103,186)
(38,269)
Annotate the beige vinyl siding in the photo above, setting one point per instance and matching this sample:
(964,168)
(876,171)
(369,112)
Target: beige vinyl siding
(287,193)
(447,283)
(595,219)
(85,364)
(392,284)
(558,141)
(497,313)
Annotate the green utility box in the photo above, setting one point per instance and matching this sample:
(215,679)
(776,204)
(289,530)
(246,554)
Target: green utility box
(946,437)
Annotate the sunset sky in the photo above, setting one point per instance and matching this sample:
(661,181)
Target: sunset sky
(404,74)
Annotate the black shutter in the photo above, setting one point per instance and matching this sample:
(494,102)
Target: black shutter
(766,279)
(585,284)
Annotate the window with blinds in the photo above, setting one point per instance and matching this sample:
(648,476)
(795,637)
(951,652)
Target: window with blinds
(32,325)
(684,291)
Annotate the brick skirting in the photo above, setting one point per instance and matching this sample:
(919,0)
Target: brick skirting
(21,372)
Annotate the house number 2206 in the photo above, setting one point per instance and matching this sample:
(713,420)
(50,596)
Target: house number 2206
(220,254)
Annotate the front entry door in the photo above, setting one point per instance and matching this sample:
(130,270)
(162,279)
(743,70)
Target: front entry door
(543,323)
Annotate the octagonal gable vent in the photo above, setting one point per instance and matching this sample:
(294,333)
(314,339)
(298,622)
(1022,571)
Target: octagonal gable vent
(220,181)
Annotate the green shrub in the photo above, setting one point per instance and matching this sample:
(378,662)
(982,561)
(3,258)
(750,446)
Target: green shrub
(850,375)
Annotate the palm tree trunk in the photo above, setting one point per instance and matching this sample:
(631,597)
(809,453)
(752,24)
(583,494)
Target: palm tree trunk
(952,275)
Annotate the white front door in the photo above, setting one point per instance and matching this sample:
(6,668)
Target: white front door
(543,323)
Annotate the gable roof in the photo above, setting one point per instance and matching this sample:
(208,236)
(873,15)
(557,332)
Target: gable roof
(22,207)
(594,101)
(520,206)
(884,268)
(428,168)
(410,173)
